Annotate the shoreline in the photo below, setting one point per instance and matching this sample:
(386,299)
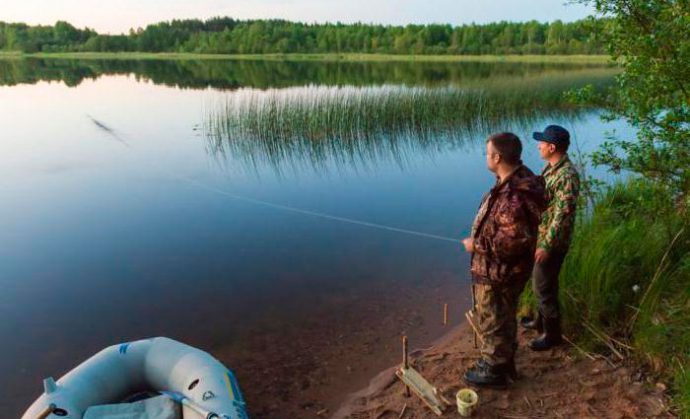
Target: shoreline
(386,377)
(555,383)
(347,57)
(310,376)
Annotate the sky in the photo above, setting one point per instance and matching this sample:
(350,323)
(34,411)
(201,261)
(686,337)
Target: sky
(121,15)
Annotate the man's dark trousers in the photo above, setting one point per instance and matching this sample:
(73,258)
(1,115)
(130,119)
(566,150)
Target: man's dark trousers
(545,286)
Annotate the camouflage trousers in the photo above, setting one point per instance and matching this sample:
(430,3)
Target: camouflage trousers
(496,313)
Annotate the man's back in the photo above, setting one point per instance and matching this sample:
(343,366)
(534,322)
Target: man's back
(505,229)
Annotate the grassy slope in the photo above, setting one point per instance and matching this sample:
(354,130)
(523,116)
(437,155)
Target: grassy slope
(626,283)
(590,59)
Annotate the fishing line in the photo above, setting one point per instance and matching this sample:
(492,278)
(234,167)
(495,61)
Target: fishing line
(274,205)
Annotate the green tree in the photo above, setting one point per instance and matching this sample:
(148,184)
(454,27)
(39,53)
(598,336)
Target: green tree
(535,37)
(651,39)
(554,38)
(226,35)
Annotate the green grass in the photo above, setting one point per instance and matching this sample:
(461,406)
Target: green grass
(587,59)
(682,388)
(354,125)
(361,125)
(626,281)
(11,55)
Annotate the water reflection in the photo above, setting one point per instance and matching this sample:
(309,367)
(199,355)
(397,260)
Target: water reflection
(118,248)
(232,74)
(359,127)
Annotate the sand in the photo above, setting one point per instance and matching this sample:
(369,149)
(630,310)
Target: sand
(559,383)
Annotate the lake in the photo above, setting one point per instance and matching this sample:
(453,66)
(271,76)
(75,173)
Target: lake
(291,218)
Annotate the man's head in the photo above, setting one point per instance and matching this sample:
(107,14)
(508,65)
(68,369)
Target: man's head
(503,150)
(553,142)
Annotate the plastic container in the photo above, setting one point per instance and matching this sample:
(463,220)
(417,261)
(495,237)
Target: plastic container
(467,401)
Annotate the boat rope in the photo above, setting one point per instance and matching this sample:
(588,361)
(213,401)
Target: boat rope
(210,188)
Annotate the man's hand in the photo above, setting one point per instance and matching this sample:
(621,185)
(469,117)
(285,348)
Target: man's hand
(540,255)
(469,244)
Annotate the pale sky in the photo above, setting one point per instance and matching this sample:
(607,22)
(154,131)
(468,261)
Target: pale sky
(120,15)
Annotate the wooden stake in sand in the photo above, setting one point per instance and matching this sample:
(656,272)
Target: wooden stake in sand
(421,387)
(405,363)
(445,314)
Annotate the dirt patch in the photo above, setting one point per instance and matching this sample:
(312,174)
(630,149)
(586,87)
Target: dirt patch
(552,384)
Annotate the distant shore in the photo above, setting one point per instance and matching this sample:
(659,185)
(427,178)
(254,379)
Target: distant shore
(579,59)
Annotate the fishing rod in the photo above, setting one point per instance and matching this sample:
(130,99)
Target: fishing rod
(274,205)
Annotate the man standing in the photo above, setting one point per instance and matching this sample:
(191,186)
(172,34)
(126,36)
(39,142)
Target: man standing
(502,243)
(555,231)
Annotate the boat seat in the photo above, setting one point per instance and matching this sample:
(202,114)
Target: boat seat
(160,407)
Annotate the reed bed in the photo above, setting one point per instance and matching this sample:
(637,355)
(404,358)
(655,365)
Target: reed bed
(360,125)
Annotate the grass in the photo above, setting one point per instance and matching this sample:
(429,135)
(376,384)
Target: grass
(11,54)
(355,125)
(575,59)
(625,286)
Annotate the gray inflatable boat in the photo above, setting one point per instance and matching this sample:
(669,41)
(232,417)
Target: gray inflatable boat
(188,383)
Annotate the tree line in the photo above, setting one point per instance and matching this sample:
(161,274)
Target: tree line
(230,36)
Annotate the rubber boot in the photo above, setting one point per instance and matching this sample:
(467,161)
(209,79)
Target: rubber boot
(551,337)
(510,370)
(483,374)
(533,323)
(509,367)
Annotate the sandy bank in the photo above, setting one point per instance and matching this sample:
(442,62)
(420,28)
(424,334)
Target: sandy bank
(552,384)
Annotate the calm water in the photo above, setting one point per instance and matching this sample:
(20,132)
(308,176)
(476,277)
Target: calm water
(131,227)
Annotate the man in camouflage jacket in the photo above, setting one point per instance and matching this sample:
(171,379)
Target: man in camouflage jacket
(555,231)
(502,243)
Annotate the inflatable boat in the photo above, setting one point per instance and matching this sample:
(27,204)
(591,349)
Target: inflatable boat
(151,378)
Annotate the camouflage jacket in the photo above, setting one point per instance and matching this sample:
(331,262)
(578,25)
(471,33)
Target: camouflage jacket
(505,229)
(558,221)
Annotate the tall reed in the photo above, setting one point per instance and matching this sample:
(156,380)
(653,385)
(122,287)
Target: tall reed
(357,125)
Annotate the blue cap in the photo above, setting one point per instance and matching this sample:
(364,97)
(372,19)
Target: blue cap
(554,134)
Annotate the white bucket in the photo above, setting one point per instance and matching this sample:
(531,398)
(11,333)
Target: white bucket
(467,402)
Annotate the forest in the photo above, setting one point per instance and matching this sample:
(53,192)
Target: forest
(225,35)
